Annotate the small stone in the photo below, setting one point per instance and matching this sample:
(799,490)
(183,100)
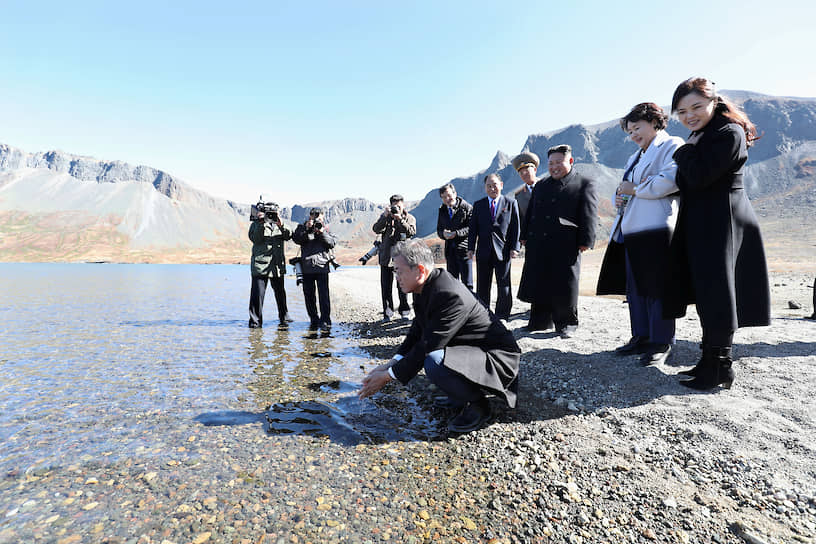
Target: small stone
(670,502)
(90,506)
(202,538)
(793,305)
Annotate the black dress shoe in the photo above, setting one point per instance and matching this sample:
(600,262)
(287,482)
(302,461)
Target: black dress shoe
(472,416)
(657,354)
(812,316)
(568,331)
(636,344)
(285,318)
(537,327)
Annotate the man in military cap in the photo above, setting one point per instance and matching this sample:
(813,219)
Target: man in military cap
(559,225)
(526,164)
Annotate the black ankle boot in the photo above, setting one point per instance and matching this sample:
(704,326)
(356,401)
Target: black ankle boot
(715,369)
(696,370)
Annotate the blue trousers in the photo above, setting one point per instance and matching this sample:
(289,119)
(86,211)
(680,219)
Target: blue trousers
(459,389)
(646,313)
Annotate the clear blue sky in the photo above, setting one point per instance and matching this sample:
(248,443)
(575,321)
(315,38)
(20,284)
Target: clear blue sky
(313,101)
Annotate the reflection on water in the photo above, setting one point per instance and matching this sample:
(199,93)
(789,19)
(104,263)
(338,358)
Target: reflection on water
(101,359)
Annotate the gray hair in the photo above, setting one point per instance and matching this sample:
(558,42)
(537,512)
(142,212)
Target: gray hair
(415,252)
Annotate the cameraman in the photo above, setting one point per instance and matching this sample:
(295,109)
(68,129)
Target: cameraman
(267,234)
(396,225)
(316,245)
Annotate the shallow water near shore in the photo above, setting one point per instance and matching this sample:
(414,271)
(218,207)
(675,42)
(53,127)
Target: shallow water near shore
(100,360)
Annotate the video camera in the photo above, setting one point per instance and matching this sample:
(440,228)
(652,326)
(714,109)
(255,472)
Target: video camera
(269,210)
(371,252)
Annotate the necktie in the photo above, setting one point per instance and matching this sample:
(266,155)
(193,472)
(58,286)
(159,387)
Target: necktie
(450,213)
(493,209)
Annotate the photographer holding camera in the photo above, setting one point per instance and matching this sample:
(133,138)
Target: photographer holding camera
(267,234)
(396,225)
(316,254)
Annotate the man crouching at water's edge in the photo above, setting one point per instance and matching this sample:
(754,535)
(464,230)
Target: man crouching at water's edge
(464,349)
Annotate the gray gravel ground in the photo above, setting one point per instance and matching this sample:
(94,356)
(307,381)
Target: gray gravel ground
(599,450)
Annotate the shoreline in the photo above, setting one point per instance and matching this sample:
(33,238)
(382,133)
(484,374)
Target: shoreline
(599,449)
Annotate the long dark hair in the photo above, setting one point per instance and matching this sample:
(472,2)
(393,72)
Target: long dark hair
(724,107)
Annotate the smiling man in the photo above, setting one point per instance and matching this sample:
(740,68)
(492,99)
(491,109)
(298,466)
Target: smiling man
(464,349)
(559,225)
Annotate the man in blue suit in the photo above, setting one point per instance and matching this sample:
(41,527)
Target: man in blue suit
(494,237)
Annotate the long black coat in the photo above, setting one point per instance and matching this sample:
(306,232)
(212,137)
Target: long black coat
(476,344)
(562,215)
(456,247)
(717,259)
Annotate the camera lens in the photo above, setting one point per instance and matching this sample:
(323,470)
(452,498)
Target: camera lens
(395,209)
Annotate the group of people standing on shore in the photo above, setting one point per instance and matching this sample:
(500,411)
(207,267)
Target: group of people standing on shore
(685,233)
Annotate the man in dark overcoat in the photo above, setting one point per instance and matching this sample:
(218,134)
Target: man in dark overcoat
(464,349)
(559,225)
(452,225)
(493,237)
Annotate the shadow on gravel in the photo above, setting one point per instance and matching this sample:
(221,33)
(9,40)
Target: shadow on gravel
(782,349)
(554,383)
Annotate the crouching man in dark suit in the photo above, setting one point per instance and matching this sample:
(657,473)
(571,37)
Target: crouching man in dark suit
(464,349)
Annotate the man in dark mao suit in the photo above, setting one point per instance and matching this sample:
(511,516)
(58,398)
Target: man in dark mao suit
(464,349)
(559,226)
(494,237)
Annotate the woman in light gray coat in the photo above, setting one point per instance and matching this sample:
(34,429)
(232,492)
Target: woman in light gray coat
(636,257)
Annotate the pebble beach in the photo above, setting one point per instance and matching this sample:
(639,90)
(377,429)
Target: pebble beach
(599,449)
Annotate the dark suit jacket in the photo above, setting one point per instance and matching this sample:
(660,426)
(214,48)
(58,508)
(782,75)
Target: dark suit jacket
(459,223)
(498,237)
(476,344)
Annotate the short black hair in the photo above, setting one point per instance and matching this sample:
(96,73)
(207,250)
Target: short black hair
(498,177)
(646,111)
(445,187)
(396,198)
(566,149)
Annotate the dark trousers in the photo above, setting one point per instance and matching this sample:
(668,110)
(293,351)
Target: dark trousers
(461,268)
(317,283)
(540,318)
(387,286)
(459,389)
(646,313)
(485,269)
(256,298)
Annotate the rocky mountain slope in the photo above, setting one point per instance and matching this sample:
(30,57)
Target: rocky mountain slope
(782,162)
(58,206)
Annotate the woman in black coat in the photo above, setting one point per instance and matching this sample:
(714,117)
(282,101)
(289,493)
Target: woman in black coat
(717,259)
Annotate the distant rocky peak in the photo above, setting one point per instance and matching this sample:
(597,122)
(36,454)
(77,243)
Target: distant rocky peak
(332,209)
(90,169)
(500,160)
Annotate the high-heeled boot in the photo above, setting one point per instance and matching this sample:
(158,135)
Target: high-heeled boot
(694,371)
(715,371)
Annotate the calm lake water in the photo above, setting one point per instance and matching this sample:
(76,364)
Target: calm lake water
(90,353)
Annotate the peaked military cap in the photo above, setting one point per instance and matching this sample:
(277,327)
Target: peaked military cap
(525,159)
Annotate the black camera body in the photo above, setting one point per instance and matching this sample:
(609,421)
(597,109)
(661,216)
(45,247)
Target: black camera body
(395,210)
(317,225)
(269,209)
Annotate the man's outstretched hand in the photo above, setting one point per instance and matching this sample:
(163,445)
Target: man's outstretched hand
(375,381)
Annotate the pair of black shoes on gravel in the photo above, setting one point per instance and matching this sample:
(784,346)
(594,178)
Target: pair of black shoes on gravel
(469,417)
(650,353)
